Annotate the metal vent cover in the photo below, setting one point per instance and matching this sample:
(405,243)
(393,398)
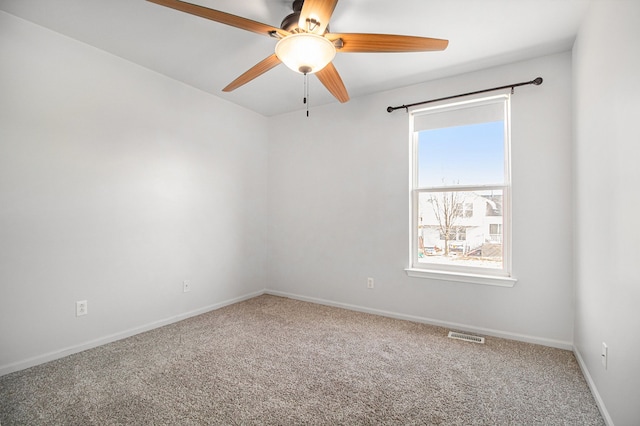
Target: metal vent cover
(466,337)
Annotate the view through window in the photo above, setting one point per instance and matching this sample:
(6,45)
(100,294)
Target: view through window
(461,187)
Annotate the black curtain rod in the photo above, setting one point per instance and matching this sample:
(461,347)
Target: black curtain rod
(537,82)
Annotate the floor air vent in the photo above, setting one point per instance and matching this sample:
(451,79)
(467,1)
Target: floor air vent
(466,337)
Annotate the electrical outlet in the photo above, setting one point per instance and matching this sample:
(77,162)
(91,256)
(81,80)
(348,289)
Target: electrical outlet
(605,355)
(81,308)
(369,282)
(186,286)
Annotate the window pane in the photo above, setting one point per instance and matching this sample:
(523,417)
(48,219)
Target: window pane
(461,155)
(448,236)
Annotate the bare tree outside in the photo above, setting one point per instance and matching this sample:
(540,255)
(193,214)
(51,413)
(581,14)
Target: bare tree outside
(447,209)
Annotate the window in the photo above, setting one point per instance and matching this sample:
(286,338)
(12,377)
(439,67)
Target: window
(495,232)
(464,209)
(460,192)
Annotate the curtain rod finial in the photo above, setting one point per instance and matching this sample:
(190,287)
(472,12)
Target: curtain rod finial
(537,81)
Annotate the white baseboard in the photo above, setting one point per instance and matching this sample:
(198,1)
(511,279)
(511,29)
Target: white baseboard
(41,359)
(592,387)
(460,327)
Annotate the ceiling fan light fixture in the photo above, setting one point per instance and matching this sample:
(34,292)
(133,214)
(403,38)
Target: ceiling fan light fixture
(305,53)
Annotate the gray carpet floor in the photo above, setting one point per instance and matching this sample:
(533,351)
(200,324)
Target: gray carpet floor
(272,360)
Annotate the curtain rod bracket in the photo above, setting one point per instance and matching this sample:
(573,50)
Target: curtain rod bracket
(537,81)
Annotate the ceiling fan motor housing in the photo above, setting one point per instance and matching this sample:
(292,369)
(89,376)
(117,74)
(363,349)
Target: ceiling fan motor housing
(290,22)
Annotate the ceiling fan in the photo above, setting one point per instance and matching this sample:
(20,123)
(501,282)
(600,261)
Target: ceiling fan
(305,44)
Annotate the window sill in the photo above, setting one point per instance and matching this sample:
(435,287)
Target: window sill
(462,277)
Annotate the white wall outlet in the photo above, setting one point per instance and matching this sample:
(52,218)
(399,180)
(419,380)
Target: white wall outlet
(369,282)
(605,355)
(81,308)
(186,286)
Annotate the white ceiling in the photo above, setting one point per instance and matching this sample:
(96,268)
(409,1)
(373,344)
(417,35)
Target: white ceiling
(208,55)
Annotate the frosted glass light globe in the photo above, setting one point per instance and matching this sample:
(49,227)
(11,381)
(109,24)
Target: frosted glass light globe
(305,53)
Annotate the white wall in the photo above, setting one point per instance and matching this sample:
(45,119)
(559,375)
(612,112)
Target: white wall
(338,208)
(116,184)
(607,137)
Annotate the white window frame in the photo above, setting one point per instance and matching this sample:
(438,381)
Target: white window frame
(487,276)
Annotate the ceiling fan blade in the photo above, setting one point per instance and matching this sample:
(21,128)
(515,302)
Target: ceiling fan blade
(255,71)
(358,42)
(222,17)
(330,78)
(317,13)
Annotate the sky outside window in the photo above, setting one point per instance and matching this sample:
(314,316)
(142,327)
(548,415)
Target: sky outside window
(464,155)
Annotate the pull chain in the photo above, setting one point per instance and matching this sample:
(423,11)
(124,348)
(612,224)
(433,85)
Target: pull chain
(306,92)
